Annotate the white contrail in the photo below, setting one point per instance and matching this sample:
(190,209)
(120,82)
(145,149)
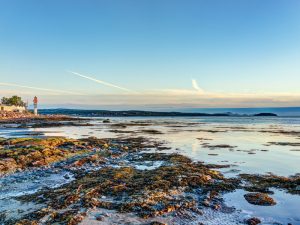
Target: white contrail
(101,82)
(196,86)
(37,88)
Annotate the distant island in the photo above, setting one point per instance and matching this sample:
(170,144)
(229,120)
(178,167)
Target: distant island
(265,114)
(131,113)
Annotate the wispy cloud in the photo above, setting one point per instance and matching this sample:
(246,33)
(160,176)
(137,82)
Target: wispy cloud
(179,98)
(192,97)
(102,82)
(39,88)
(196,86)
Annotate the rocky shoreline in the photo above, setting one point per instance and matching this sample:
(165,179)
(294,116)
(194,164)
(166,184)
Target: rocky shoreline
(129,179)
(121,175)
(6,115)
(29,120)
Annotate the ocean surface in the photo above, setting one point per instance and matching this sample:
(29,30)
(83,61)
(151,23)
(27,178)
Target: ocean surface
(255,145)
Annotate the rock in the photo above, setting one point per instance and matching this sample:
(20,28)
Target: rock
(263,183)
(157,223)
(105,145)
(76,219)
(206,178)
(39,163)
(27,222)
(217,207)
(89,159)
(259,199)
(8,165)
(106,121)
(46,152)
(253,221)
(67,176)
(36,155)
(99,218)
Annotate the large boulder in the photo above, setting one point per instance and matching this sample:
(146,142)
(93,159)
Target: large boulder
(259,199)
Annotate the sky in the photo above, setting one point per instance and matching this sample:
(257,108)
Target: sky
(138,54)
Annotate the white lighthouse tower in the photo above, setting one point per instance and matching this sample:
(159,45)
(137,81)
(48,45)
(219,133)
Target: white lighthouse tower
(35,102)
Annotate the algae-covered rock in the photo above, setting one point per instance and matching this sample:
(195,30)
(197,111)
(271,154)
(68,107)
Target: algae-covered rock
(253,221)
(8,165)
(23,153)
(96,159)
(259,199)
(168,189)
(27,222)
(157,223)
(263,183)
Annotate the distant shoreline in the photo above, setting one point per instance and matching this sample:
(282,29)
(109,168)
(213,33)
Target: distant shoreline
(133,113)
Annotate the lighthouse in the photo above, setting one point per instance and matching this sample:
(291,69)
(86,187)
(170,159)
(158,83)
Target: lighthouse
(35,102)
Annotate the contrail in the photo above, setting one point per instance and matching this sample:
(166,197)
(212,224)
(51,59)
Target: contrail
(37,88)
(196,86)
(101,82)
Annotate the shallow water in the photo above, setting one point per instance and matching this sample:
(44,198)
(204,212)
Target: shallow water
(247,149)
(250,153)
(29,182)
(286,210)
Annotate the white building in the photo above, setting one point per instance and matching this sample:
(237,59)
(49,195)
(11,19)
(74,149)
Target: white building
(12,108)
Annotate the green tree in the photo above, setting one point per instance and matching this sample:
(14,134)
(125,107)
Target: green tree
(14,100)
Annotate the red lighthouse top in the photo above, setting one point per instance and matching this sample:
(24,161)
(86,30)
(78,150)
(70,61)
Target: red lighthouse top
(35,100)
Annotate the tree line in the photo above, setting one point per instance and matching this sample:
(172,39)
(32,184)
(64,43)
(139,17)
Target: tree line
(13,101)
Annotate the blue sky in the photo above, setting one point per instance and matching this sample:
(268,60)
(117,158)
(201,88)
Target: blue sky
(239,53)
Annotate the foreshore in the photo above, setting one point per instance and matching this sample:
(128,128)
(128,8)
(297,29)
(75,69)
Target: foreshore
(106,175)
(18,116)
(131,178)
(29,120)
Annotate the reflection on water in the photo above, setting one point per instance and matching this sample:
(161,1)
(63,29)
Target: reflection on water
(246,143)
(249,137)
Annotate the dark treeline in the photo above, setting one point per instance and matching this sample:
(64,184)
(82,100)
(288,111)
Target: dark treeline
(107,113)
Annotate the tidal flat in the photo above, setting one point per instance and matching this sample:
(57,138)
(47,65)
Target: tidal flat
(144,170)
